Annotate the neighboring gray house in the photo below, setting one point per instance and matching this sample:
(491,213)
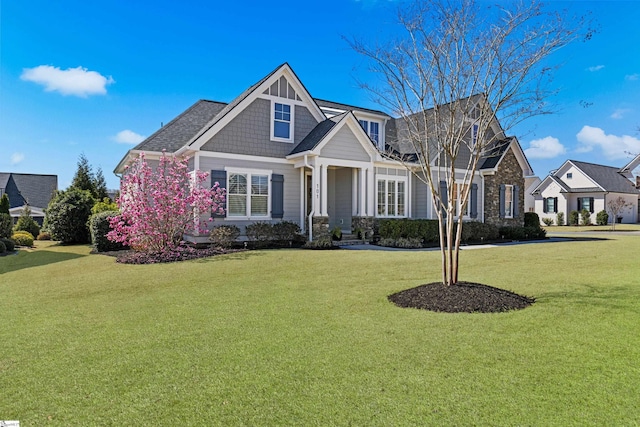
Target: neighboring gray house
(283,155)
(28,189)
(580,185)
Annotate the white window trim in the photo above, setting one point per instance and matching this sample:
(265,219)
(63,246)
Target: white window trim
(387,178)
(292,106)
(467,214)
(508,214)
(250,172)
(378,143)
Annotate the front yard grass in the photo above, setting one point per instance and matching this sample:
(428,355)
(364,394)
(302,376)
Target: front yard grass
(583,228)
(293,337)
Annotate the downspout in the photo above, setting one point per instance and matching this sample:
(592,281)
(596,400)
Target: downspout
(483,197)
(311,212)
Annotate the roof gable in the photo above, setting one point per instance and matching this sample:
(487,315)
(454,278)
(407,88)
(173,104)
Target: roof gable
(607,178)
(494,155)
(32,189)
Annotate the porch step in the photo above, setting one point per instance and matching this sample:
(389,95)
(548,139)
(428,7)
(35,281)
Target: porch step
(348,240)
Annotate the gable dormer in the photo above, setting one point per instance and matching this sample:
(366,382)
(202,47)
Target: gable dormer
(283,99)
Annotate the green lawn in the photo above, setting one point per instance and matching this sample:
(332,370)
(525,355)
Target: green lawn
(583,228)
(308,338)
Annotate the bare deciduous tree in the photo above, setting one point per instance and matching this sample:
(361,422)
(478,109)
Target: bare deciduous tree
(615,206)
(459,66)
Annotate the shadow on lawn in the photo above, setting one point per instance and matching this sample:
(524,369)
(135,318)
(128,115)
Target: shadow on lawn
(588,295)
(241,255)
(34,259)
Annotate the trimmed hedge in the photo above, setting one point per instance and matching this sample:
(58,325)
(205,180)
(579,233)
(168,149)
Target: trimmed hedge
(602,218)
(224,235)
(425,229)
(99,227)
(23,238)
(9,244)
(531,219)
(264,234)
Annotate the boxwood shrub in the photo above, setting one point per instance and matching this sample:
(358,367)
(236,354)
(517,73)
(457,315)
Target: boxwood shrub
(23,238)
(9,244)
(224,235)
(99,227)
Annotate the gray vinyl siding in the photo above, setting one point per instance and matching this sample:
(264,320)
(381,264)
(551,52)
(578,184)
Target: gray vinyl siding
(291,187)
(421,198)
(250,132)
(340,203)
(344,145)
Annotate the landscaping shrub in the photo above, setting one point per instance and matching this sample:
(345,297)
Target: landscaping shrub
(402,242)
(547,221)
(512,233)
(535,232)
(574,217)
(106,205)
(531,219)
(475,231)
(602,218)
(99,227)
(68,214)
(27,223)
(6,225)
(171,254)
(323,242)
(425,229)
(3,248)
(9,244)
(586,217)
(286,232)
(43,236)
(224,235)
(23,238)
(560,218)
(261,233)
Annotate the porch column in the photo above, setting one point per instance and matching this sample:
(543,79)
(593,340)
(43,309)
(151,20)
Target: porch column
(362,192)
(303,197)
(324,190)
(354,192)
(315,190)
(371,188)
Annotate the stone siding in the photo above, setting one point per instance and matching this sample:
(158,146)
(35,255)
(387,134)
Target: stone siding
(509,173)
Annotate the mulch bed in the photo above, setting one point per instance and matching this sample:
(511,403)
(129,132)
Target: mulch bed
(184,253)
(464,297)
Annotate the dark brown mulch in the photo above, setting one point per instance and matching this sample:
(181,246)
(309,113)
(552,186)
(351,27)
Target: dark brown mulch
(464,297)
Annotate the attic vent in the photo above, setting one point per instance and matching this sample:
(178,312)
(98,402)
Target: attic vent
(282,88)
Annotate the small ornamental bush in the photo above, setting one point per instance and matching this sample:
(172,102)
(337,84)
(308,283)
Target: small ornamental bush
(425,229)
(475,231)
(27,223)
(9,244)
(6,225)
(574,217)
(68,214)
(224,235)
(602,218)
(23,238)
(560,218)
(522,233)
(547,221)
(106,205)
(286,231)
(531,219)
(43,236)
(402,242)
(323,242)
(259,232)
(586,217)
(3,248)
(99,227)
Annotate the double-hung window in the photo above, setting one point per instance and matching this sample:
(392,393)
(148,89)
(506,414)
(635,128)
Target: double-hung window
(458,190)
(508,201)
(282,119)
(391,197)
(372,129)
(248,195)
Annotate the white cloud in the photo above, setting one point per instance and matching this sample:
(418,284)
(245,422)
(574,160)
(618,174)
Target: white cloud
(595,68)
(612,146)
(128,137)
(545,148)
(72,81)
(619,113)
(632,77)
(17,158)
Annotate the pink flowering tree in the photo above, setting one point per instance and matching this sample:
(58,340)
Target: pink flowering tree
(157,207)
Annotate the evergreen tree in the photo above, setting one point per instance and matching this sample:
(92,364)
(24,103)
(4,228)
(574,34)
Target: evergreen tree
(100,185)
(84,178)
(4,204)
(27,223)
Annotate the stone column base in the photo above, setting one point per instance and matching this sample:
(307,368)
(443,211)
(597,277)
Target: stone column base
(320,226)
(364,224)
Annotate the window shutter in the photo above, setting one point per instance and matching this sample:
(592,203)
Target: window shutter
(555,204)
(221,178)
(277,196)
(544,205)
(579,204)
(502,191)
(516,201)
(591,204)
(474,200)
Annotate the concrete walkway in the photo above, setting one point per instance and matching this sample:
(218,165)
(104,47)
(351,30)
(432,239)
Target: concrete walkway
(462,247)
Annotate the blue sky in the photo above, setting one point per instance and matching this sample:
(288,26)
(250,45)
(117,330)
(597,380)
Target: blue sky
(94,77)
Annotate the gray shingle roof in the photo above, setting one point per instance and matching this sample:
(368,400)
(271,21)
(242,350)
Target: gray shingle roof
(180,130)
(346,107)
(606,177)
(32,189)
(314,137)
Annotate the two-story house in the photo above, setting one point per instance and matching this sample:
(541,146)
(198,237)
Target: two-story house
(283,155)
(28,189)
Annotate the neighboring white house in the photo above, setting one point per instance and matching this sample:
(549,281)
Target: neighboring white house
(530,184)
(579,185)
